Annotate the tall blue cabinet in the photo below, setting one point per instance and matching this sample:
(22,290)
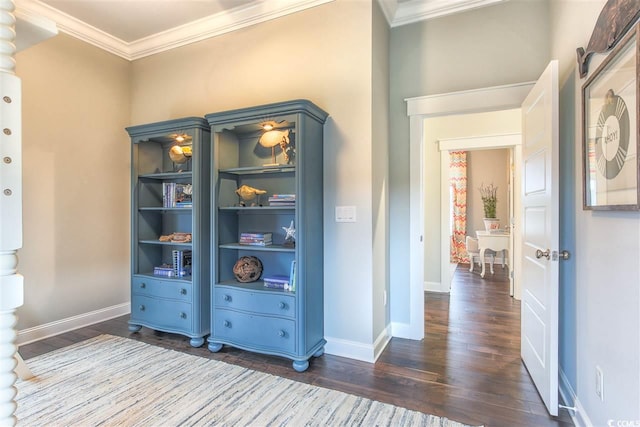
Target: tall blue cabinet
(170,219)
(275,149)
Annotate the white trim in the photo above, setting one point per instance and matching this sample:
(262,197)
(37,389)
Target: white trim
(47,330)
(433,287)
(191,32)
(357,350)
(418,109)
(381,342)
(468,101)
(412,11)
(408,12)
(569,398)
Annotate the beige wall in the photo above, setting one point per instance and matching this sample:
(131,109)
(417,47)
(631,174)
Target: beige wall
(79,99)
(487,167)
(76,157)
(323,54)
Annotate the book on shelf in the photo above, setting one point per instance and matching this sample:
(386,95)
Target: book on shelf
(176,195)
(256,238)
(181,263)
(282,200)
(164,270)
(276,282)
(292,276)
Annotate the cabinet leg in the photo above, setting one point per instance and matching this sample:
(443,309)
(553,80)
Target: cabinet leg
(196,342)
(134,328)
(214,347)
(319,353)
(300,365)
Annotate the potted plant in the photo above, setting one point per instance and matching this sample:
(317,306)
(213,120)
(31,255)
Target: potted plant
(489,202)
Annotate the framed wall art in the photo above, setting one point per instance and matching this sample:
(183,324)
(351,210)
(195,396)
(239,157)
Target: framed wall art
(610,105)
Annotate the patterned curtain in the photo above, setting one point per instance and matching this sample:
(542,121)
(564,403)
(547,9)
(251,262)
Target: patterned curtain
(458,183)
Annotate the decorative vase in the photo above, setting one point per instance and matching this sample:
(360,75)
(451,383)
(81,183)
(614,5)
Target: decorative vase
(491,224)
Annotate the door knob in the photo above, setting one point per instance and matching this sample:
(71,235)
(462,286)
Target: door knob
(564,255)
(546,254)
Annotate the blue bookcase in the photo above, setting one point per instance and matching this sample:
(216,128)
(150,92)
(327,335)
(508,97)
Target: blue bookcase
(170,219)
(277,149)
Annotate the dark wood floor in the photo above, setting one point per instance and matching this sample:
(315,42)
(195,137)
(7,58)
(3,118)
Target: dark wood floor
(467,368)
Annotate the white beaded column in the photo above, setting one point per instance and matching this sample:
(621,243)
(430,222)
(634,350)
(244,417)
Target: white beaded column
(11,285)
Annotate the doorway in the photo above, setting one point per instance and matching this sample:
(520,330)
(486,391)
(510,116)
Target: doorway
(511,198)
(421,108)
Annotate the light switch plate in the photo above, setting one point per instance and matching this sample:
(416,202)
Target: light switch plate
(345,214)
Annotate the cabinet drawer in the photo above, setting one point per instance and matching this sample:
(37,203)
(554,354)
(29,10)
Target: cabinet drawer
(174,289)
(255,301)
(161,313)
(259,332)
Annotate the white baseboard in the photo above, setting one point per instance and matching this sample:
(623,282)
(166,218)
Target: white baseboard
(569,397)
(37,333)
(357,350)
(405,330)
(432,287)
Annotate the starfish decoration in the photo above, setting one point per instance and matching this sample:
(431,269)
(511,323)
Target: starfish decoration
(290,233)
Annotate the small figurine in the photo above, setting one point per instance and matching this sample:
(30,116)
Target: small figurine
(247,193)
(290,235)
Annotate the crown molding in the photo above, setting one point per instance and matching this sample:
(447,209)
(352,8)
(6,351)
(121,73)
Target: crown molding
(32,29)
(192,32)
(400,13)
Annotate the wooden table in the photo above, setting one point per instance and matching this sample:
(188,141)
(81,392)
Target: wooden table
(496,241)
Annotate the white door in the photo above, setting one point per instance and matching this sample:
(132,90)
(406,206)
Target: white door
(540,229)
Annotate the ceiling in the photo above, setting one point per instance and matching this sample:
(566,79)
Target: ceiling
(134,29)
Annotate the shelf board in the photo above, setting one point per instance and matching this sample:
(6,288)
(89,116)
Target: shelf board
(158,242)
(270,248)
(157,276)
(161,209)
(167,175)
(256,208)
(252,170)
(253,286)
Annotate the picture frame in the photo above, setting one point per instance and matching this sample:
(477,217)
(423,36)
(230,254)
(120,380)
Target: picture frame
(610,124)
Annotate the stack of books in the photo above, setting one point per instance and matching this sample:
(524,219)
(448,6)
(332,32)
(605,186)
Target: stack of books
(276,282)
(176,195)
(255,238)
(282,200)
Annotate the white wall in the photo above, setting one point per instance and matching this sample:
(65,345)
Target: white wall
(380,173)
(501,44)
(607,260)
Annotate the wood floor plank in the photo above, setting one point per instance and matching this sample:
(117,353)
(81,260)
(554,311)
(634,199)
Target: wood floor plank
(467,368)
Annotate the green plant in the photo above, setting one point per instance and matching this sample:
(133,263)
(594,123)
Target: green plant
(489,199)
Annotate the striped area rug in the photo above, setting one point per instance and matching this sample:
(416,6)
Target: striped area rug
(116,381)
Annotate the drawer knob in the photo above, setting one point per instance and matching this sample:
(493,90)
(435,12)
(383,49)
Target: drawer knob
(226,324)
(227,298)
(281,333)
(143,285)
(142,307)
(183,315)
(283,305)
(183,291)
